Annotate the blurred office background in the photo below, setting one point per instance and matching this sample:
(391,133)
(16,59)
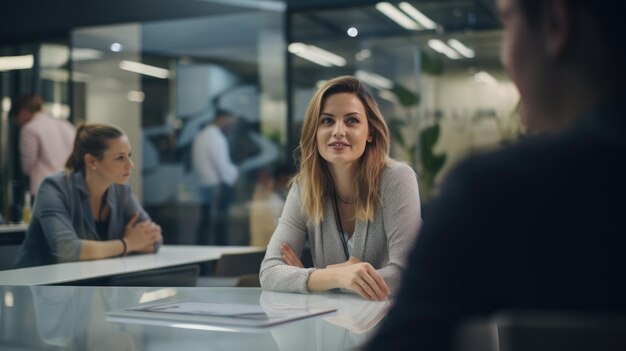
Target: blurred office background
(160,69)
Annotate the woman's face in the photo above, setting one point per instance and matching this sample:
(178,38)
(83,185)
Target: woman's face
(343,129)
(115,165)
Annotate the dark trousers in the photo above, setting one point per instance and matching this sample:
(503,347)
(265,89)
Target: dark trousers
(214,215)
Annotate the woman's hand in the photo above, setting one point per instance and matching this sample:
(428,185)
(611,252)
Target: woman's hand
(290,257)
(141,237)
(363,279)
(351,260)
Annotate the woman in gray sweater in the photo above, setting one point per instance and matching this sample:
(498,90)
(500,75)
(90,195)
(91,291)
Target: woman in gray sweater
(358,209)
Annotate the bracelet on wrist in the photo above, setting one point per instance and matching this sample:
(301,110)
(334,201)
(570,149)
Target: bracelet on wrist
(125,247)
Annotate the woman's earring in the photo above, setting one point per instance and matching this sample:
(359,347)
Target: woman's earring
(369,139)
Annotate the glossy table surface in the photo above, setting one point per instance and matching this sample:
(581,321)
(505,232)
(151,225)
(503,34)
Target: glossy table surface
(168,256)
(75,318)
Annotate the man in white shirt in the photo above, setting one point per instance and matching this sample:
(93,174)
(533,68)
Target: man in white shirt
(217,176)
(45,142)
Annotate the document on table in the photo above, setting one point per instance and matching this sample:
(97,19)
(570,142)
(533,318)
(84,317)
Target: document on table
(206,313)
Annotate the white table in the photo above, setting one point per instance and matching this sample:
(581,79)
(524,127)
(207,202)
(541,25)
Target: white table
(74,318)
(168,256)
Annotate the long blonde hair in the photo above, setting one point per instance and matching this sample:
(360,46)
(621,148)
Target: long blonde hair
(313,178)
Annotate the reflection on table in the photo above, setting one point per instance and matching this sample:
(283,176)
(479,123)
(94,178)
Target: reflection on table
(74,318)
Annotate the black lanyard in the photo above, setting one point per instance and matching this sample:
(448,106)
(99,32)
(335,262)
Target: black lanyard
(344,244)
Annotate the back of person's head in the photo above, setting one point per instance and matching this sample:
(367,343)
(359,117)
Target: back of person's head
(30,102)
(24,108)
(224,119)
(314,176)
(597,20)
(90,139)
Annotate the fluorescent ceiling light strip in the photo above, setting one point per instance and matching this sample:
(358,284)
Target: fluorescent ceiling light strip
(142,68)
(8,63)
(83,54)
(300,49)
(375,80)
(484,77)
(441,47)
(396,15)
(418,16)
(315,54)
(327,55)
(461,48)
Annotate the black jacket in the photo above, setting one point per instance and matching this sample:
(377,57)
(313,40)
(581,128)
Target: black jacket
(538,225)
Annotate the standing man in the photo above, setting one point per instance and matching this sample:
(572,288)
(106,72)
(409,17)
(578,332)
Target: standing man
(217,176)
(539,225)
(45,142)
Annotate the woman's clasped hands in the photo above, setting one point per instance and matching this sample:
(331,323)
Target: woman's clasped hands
(352,274)
(142,237)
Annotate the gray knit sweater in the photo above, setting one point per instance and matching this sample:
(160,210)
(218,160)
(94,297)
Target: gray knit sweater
(384,242)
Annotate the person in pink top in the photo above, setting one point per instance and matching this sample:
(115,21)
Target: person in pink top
(45,142)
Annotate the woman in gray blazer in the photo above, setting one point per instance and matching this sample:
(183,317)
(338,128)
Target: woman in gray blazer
(358,209)
(88,211)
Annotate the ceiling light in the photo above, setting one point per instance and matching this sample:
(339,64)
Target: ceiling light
(363,54)
(316,55)
(442,48)
(461,48)
(8,63)
(6,104)
(116,47)
(486,78)
(396,15)
(142,68)
(375,80)
(327,55)
(353,32)
(84,54)
(300,49)
(135,96)
(419,17)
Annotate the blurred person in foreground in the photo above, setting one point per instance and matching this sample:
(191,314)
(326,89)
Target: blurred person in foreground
(535,226)
(45,142)
(88,211)
(356,207)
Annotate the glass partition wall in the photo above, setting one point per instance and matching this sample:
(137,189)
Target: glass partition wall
(163,82)
(40,67)
(433,67)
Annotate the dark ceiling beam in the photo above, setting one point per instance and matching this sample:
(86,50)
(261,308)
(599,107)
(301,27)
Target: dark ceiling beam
(25,20)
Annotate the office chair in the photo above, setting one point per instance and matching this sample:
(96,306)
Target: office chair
(239,269)
(544,331)
(180,276)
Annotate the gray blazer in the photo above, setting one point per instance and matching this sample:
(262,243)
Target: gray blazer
(62,219)
(384,242)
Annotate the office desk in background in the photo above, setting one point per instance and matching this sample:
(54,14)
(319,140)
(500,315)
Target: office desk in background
(12,234)
(168,256)
(74,318)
